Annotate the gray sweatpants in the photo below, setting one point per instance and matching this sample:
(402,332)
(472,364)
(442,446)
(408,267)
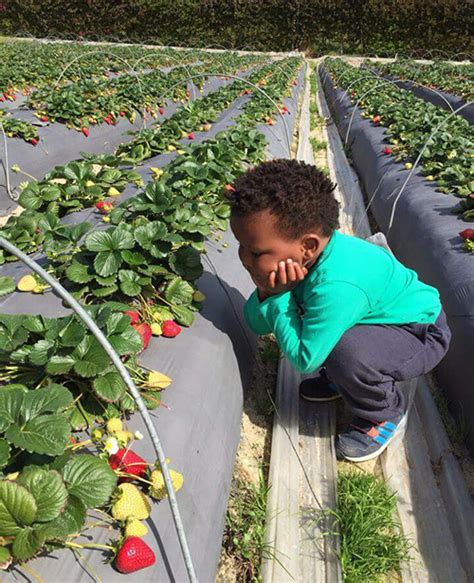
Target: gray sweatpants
(368,360)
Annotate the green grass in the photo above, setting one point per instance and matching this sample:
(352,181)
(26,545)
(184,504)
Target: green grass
(372,543)
(244,535)
(317,144)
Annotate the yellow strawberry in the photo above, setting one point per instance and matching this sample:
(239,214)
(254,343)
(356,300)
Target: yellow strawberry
(135,528)
(89,183)
(157,172)
(96,168)
(130,502)
(156,329)
(171,148)
(27,283)
(114,424)
(113,191)
(39,288)
(158,489)
(158,380)
(58,181)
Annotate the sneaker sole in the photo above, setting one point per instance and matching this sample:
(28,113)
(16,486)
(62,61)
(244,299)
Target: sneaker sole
(399,432)
(320,399)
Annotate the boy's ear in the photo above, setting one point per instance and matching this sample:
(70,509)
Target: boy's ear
(311,244)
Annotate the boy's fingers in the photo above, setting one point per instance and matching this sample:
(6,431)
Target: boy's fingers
(272,279)
(282,279)
(290,270)
(299,271)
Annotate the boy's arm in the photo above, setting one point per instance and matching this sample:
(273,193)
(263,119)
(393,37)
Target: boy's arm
(330,310)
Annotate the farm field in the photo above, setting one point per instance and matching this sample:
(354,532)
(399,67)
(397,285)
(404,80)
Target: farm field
(116,161)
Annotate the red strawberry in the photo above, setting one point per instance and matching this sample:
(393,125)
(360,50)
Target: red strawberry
(170,329)
(188,93)
(33,141)
(108,120)
(191,136)
(467,234)
(162,111)
(230,188)
(44,118)
(2,98)
(85,131)
(122,114)
(126,460)
(134,316)
(133,555)
(387,150)
(376,119)
(145,332)
(104,207)
(294,83)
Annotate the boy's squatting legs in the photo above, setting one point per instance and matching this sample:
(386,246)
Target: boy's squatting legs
(368,360)
(365,365)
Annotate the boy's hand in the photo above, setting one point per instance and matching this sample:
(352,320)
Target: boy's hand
(285,278)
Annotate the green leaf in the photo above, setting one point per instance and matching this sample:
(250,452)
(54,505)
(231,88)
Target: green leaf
(34,324)
(179,292)
(17,508)
(4,453)
(59,364)
(90,479)
(10,405)
(7,285)
(79,273)
(103,292)
(183,315)
(49,491)
(46,434)
(46,400)
(90,358)
(128,342)
(99,241)
(107,263)
(130,282)
(72,333)
(41,352)
(187,263)
(72,519)
(109,387)
(27,543)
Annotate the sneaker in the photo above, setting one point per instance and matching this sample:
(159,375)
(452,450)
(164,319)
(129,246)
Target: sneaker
(319,389)
(364,440)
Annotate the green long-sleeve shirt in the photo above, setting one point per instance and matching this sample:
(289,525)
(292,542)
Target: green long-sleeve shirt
(353,282)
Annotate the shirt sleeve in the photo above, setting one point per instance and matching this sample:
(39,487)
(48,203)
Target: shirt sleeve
(329,310)
(254,317)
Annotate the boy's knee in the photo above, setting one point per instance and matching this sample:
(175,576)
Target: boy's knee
(346,360)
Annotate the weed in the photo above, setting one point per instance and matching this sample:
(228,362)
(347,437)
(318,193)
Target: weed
(244,535)
(372,543)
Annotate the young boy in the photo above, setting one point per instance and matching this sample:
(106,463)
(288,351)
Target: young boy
(334,301)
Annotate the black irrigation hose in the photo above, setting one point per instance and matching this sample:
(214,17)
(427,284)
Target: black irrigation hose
(97,332)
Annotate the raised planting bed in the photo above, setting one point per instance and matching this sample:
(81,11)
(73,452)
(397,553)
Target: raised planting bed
(421,227)
(163,241)
(443,84)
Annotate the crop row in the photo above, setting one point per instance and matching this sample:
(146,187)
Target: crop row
(25,64)
(149,256)
(414,126)
(455,79)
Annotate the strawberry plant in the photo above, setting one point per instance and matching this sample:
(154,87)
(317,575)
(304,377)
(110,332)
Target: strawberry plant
(42,506)
(78,184)
(39,352)
(17,128)
(30,230)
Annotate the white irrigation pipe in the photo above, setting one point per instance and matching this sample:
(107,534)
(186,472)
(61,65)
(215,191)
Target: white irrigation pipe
(122,370)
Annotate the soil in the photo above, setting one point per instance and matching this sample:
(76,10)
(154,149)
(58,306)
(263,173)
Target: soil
(253,454)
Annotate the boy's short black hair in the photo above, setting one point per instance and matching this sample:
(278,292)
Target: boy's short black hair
(299,194)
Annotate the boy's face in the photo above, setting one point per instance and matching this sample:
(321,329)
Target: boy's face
(262,244)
